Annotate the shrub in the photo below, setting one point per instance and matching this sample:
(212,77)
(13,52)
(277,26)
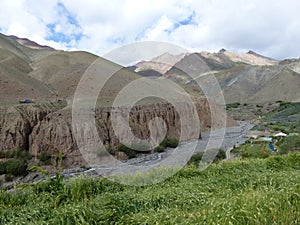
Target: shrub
(8,177)
(160,148)
(21,154)
(2,168)
(196,158)
(169,142)
(128,151)
(233,105)
(284,104)
(289,144)
(2,154)
(45,158)
(14,166)
(221,155)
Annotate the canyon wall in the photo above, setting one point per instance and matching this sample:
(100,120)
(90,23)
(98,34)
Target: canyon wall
(48,127)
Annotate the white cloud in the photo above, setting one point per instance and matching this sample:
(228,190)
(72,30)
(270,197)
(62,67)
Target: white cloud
(269,27)
(159,29)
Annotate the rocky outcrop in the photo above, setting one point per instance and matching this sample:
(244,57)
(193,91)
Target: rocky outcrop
(17,123)
(48,127)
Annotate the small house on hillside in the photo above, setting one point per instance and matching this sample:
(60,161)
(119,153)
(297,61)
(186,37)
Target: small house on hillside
(26,100)
(280,134)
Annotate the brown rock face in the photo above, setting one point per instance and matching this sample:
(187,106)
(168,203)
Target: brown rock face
(48,127)
(17,122)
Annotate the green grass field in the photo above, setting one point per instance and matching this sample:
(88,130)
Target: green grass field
(252,191)
(285,118)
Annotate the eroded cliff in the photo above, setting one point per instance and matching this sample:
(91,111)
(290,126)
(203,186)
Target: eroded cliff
(48,127)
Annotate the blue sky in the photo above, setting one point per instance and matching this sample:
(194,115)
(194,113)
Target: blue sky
(59,35)
(267,27)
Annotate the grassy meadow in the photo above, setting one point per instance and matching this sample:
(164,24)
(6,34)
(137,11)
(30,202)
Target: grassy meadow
(251,191)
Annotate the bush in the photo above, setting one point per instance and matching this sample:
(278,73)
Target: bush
(285,104)
(8,177)
(14,166)
(196,158)
(233,105)
(289,144)
(21,154)
(160,148)
(2,154)
(128,151)
(45,158)
(169,142)
(220,156)
(2,168)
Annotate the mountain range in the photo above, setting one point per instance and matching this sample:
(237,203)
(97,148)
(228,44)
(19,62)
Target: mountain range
(29,70)
(244,78)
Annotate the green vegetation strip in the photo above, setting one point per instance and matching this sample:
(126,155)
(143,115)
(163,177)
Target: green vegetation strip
(253,191)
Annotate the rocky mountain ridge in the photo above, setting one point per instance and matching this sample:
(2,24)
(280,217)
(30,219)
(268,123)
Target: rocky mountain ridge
(245,78)
(31,44)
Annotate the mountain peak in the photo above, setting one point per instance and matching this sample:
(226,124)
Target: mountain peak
(161,63)
(222,50)
(250,52)
(253,53)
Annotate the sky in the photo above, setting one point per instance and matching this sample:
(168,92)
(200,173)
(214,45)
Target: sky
(268,27)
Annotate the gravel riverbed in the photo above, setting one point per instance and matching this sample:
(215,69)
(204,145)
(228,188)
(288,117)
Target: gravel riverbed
(220,139)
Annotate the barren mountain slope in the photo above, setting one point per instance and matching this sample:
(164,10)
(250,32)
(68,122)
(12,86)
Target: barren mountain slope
(38,72)
(245,78)
(14,80)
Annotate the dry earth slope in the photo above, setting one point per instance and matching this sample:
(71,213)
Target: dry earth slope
(243,78)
